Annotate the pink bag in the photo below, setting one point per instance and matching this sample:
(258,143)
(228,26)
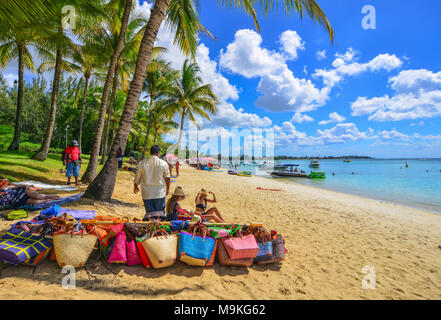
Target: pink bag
(241,247)
(133,257)
(118,254)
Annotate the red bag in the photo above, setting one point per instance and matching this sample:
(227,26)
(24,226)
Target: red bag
(145,261)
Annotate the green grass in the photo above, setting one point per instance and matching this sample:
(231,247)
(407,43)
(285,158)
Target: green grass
(18,166)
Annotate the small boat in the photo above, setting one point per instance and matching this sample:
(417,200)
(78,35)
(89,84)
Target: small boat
(317,175)
(315,163)
(245,174)
(346,160)
(232,172)
(287,170)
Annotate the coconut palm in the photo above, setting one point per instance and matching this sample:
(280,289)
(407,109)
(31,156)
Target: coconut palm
(91,170)
(158,81)
(190,98)
(182,15)
(14,46)
(162,124)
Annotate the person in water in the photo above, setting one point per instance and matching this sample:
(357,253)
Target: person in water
(201,207)
(15,195)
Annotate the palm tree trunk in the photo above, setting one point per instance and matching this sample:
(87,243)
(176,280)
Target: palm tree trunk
(102,186)
(156,135)
(19,117)
(44,150)
(173,148)
(146,143)
(109,116)
(91,170)
(83,108)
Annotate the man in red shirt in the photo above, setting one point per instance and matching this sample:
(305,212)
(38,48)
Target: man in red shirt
(72,160)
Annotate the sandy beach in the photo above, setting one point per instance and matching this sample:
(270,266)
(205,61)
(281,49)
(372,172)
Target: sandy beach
(329,236)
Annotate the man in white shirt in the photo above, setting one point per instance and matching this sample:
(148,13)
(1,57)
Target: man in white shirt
(153,176)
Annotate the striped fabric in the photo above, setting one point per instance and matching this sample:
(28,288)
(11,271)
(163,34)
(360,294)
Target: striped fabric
(17,246)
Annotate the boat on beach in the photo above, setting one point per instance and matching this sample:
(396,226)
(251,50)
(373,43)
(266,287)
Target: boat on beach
(288,170)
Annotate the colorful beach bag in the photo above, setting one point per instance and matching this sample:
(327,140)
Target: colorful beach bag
(265,245)
(241,247)
(219,232)
(119,251)
(16,215)
(133,257)
(225,260)
(73,247)
(161,248)
(18,246)
(195,247)
(145,261)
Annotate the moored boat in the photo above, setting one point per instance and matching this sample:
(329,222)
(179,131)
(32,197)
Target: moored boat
(315,163)
(287,170)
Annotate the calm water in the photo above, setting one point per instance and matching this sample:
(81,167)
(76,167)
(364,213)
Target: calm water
(387,180)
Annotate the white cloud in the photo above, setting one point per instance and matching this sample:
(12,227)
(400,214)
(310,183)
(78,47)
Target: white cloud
(320,54)
(284,92)
(393,134)
(333,118)
(300,118)
(418,95)
(346,65)
(343,132)
(291,43)
(246,57)
(230,117)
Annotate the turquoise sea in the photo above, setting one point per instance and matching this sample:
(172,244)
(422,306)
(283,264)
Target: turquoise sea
(419,185)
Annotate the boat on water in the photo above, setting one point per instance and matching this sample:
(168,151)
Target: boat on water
(346,160)
(314,163)
(317,175)
(288,170)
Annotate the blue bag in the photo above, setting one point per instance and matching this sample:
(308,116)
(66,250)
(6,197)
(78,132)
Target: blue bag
(195,250)
(265,251)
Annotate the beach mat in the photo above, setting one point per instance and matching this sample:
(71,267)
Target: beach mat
(42,185)
(61,201)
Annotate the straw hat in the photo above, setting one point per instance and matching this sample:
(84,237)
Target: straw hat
(178,192)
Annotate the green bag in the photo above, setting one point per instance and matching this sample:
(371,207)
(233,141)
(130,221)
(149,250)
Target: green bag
(219,232)
(16,215)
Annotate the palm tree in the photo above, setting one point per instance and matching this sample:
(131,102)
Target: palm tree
(14,46)
(182,15)
(190,98)
(88,63)
(125,64)
(157,83)
(91,170)
(162,124)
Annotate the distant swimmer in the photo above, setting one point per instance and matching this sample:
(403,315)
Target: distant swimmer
(353,172)
(334,173)
(406,165)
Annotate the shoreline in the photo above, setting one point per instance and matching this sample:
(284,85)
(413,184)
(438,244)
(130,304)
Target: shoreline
(330,238)
(410,205)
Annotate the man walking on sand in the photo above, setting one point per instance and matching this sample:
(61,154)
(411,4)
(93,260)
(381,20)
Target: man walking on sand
(153,176)
(72,161)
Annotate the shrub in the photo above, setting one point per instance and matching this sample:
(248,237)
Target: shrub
(135,154)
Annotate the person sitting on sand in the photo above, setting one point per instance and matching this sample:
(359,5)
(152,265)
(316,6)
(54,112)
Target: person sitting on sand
(201,207)
(15,195)
(172,207)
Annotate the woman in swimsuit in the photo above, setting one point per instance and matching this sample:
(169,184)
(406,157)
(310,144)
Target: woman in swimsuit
(201,207)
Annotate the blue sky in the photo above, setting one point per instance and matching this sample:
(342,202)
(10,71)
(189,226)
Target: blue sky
(374,92)
(386,101)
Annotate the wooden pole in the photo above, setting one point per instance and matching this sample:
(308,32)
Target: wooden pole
(168,223)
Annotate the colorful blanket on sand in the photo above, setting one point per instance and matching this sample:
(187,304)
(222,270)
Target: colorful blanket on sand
(63,200)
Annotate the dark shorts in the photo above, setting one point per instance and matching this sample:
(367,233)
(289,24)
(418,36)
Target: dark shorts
(154,208)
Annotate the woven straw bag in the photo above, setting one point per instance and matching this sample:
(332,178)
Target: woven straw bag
(73,249)
(161,250)
(225,260)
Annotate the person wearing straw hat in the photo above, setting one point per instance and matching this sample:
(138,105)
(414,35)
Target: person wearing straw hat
(173,206)
(201,207)
(153,176)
